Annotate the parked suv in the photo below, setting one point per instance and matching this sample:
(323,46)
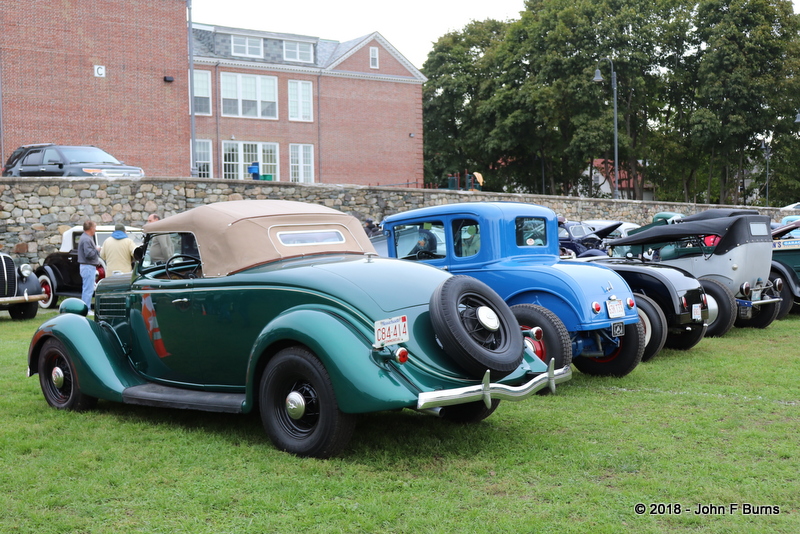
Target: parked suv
(47,159)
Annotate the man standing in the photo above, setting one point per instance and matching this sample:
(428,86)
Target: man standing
(117,251)
(160,246)
(89,259)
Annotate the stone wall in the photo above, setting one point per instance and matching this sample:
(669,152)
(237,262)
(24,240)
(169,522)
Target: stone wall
(35,211)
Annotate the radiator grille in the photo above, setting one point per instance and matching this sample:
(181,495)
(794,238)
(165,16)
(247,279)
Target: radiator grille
(8,277)
(110,306)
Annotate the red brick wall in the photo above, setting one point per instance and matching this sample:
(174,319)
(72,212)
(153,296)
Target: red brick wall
(48,49)
(365,132)
(387,64)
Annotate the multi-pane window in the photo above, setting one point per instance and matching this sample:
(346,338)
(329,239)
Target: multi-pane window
(300,108)
(373,57)
(203,158)
(247,46)
(246,95)
(301,163)
(202,92)
(237,156)
(294,51)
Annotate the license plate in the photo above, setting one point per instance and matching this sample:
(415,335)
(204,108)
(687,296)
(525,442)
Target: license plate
(391,331)
(618,329)
(697,313)
(615,308)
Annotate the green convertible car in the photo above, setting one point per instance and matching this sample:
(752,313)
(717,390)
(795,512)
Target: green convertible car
(285,308)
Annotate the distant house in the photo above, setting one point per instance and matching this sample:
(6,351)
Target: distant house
(304,109)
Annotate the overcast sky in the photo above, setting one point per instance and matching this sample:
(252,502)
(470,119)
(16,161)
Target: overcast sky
(410,26)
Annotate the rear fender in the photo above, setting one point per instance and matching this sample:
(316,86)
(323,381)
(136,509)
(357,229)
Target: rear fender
(360,383)
(100,362)
(564,309)
(788,275)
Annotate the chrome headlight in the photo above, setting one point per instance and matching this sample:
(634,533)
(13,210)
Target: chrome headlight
(25,270)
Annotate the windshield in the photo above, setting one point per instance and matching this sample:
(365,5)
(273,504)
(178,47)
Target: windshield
(87,154)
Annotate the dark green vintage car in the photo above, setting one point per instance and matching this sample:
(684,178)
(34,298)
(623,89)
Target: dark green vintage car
(285,308)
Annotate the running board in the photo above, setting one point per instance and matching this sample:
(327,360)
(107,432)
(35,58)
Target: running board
(184,399)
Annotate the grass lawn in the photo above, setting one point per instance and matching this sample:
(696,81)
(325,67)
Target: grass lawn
(715,426)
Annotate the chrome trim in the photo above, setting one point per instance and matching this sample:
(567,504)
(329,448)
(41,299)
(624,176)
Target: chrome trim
(487,391)
(766,301)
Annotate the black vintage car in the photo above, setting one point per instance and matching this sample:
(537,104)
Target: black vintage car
(60,275)
(674,305)
(19,289)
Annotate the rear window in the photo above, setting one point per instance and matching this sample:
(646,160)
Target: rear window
(532,231)
(759,229)
(310,237)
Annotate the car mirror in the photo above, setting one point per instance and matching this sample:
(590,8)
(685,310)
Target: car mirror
(138,253)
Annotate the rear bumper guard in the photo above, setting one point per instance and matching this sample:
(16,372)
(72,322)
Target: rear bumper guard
(487,391)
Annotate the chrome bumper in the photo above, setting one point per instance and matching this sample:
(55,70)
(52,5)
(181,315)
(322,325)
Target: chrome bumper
(23,298)
(486,391)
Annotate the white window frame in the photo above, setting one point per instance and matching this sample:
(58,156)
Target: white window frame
(249,44)
(203,147)
(263,85)
(237,170)
(301,101)
(298,51)
(301,163)
(374,57)
(203,77)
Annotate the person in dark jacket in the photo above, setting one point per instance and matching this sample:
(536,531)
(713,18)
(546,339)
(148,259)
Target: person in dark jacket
(89,259)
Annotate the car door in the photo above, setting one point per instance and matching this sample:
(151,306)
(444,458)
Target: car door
(31,164)
(165,345)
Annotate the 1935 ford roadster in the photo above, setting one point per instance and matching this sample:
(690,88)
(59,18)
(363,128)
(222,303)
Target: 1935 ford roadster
(285,308)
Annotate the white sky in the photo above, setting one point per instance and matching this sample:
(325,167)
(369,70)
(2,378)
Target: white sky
(411,26)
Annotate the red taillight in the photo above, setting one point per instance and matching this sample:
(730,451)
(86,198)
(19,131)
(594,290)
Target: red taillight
(537,333)
(596,307)
(745,289)
(631,303)
(705,300)
(401,355)
(685,303)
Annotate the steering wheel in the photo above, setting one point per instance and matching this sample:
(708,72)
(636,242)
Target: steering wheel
(425,255)
(187,259)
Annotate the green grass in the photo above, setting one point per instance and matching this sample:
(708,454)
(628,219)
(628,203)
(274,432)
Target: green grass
(714,425)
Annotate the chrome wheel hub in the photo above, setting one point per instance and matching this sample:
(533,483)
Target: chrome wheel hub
(295,405)
(488,318)
(57,376)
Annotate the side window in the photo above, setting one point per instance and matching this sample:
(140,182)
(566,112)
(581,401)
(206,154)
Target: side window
(34,157)
(532,232)
(420,241)
(467,236)
(51,157)
(160,248)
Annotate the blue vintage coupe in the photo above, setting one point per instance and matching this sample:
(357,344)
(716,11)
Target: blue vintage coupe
(514,249)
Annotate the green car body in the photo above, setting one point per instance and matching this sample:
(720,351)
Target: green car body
(200,330)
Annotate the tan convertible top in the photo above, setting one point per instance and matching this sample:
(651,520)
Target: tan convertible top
(235,235)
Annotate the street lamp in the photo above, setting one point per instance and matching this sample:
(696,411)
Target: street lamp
(599,78)
(767,153)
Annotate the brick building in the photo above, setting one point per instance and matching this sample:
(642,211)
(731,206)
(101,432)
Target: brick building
(116,75)
(306,109)
(92,72)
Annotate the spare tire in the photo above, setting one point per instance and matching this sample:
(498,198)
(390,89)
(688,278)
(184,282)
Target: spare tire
(476,327)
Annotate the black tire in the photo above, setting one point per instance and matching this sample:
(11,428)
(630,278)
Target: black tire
(721,300)
(49,290)
(620,361)
(785,293)
(654,323)
(58,379)
(555,342)
(471,412)
(20,312)
(476,327)
(686,338)
(315,426)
